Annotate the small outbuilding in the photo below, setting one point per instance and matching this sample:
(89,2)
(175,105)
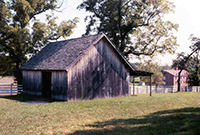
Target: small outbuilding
(82,68)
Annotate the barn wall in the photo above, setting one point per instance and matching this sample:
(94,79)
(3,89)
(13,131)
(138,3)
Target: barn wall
(32,82)
(59,85)
(99,74)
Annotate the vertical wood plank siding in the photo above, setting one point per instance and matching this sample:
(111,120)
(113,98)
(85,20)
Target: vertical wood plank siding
(59,85)
(32,82)
(99,74)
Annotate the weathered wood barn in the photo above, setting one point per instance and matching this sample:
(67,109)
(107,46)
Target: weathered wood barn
(82,68)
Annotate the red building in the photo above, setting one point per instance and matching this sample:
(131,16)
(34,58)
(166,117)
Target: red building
(170,77)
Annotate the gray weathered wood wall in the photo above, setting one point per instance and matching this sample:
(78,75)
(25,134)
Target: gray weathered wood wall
(100,73)
(32,82)
(59,85)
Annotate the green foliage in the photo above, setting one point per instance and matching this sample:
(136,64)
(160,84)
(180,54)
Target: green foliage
(169,113)
(141,20)
(6,65)
(149,66)
(25,10)
(18,38)
(155,38)
(45,32)
(179,61)
(194,77)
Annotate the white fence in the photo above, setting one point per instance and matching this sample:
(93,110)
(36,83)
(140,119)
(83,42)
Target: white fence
(162,89)
(10,89)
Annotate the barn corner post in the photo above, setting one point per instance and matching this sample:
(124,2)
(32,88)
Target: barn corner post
(133,81)
(150,85)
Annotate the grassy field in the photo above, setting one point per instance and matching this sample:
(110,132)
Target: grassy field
(175,113)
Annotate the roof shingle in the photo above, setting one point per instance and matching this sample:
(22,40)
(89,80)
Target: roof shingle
(59,55)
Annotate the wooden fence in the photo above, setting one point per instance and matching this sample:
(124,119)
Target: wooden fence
(162,89)
(10,89)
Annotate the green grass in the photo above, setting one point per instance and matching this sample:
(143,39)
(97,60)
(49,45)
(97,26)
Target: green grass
(175,113)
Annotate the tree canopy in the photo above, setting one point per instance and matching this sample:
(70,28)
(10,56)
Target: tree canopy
(149,66)
(18,38)
(135,26)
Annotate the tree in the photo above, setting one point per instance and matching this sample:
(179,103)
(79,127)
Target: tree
(149,66)
(192,66)
(141,20)
(18,38)
(194,73)
(183,59)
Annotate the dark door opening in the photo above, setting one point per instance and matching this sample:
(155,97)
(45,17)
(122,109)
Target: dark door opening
(46,85)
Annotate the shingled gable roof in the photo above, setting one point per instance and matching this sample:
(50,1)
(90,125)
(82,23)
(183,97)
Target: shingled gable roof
(62,55)
(59,55)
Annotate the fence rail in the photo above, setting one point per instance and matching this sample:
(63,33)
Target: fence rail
(10,89)
(162,89)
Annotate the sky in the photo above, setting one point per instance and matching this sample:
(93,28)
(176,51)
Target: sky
(186,15)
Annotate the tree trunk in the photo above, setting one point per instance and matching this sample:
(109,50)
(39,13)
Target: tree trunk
(122,45)
(18,73)
(179,79)
(179,74)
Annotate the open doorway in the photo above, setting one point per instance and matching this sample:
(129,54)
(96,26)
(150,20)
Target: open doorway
(46,85)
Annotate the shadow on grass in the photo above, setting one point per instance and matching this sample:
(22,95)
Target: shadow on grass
(24,98)
(179,122)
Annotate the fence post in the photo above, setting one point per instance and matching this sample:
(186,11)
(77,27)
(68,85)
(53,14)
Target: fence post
(156,89)
(11,89)
(133,85)
(150,86)
(164,89)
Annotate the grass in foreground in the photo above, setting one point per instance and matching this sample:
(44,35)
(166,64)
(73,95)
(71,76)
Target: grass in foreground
(176,113)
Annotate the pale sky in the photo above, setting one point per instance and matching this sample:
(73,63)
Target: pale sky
(186,15)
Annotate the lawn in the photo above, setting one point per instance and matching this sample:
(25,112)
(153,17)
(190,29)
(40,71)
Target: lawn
(172,113)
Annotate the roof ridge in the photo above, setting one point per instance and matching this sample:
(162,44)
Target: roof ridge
(76,38)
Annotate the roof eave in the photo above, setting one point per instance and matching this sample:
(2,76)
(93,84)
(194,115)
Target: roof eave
(141,73)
